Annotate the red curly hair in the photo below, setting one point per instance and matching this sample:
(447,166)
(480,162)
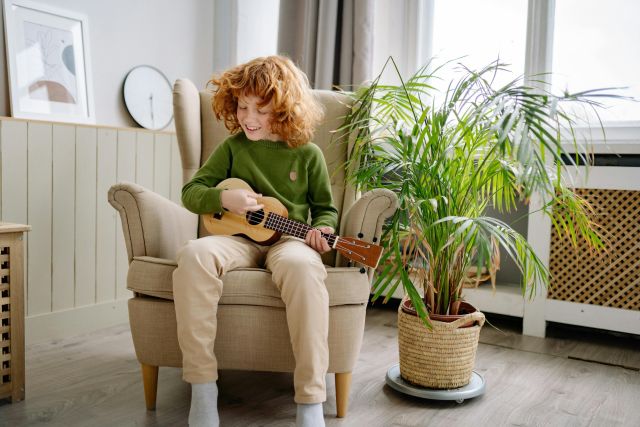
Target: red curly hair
(280,84)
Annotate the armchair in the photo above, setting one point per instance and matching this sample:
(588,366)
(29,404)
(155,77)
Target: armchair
(252,330)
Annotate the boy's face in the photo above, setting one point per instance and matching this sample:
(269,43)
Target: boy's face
(255,120)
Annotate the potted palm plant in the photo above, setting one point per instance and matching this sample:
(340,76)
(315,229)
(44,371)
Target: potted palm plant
(448,156)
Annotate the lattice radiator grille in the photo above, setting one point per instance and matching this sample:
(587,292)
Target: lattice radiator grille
(5,314)
(610,278)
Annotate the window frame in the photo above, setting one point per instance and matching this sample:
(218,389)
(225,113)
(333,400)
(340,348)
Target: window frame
(622,137)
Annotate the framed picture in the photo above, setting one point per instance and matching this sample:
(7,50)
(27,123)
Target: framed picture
(48,61)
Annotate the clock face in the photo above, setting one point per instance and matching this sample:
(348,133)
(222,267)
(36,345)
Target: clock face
(148,97)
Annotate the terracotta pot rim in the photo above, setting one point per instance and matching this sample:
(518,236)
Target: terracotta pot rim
(407,307)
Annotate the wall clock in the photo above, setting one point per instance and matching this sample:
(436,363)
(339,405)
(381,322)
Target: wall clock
(148,97)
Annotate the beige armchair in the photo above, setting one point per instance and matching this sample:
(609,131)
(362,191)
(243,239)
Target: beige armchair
(252,329)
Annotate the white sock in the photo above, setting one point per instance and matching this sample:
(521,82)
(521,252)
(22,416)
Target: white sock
(204,405)
(310,415)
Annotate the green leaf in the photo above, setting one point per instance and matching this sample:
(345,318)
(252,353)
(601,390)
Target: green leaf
(448,157)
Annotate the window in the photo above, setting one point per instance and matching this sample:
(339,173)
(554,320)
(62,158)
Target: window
(482,32)
(596,46)
(594,43)
(476,32)
(257,29)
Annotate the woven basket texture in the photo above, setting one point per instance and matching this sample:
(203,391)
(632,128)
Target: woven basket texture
(439,358)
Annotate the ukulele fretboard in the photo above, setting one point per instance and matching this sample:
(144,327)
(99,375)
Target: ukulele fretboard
(294,228)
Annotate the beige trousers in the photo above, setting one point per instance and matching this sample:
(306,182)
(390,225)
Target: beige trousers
(299,274)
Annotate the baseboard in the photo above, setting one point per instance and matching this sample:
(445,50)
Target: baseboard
(593,316)
(75,321)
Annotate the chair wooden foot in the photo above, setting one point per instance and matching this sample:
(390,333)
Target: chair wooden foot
(150,382)
(343,385)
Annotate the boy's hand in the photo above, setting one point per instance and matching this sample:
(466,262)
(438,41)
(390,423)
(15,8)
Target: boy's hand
(240,201)
(316,241)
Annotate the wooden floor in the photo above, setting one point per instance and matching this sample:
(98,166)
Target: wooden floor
(577,377)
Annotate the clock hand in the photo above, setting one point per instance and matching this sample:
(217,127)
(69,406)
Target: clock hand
(153,121)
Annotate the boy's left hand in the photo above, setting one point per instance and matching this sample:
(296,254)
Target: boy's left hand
(316,241)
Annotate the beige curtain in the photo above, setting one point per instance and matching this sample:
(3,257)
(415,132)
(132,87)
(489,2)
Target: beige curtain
(330,40)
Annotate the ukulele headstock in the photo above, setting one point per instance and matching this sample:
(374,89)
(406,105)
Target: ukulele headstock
(359,251)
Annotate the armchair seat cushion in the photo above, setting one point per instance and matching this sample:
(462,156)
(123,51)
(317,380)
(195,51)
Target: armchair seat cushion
(245,286)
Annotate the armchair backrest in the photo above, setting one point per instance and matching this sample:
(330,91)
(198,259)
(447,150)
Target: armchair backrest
(199,133)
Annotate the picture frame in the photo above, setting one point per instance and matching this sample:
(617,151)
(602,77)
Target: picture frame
(48,62)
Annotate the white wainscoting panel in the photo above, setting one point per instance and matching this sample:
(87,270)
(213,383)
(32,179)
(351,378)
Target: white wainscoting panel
(39,207)
(85,211)
(145,154)
(126,171)
(162,156)
(106,216)
(63,234)
(55,177)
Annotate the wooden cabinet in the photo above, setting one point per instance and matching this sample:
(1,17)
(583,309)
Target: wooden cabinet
(12,311)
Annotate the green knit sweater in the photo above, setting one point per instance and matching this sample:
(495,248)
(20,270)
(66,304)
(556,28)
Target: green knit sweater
(298,177)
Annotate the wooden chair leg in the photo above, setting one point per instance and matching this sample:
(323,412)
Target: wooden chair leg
(150,382)
(343,385)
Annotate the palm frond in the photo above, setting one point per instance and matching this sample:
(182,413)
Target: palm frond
(449,156)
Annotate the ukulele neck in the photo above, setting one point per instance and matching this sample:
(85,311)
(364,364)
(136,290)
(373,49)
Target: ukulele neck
(294,228)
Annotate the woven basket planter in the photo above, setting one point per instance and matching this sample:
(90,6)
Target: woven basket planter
(442,357)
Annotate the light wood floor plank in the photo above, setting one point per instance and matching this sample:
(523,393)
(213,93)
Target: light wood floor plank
(95,380)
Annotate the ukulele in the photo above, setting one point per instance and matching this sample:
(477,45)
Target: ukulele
(266,225)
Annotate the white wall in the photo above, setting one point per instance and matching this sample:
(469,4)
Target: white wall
(174,36)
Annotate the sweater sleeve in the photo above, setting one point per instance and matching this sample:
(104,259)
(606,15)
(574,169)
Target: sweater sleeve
(199,195)
(323,211)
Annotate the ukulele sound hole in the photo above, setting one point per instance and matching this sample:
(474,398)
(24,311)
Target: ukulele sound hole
(255,217)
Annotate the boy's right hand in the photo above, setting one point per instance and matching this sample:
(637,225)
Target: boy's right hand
(240,201)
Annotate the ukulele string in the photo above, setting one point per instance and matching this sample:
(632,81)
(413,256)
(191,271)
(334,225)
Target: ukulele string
(259,216)
(350,252)
(359,244)
(253,215)
(280,220)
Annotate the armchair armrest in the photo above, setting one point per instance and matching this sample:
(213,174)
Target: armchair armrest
(366,216)
(152,225)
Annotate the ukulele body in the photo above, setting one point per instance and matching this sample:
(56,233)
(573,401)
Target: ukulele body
(231,224)
(253,226)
